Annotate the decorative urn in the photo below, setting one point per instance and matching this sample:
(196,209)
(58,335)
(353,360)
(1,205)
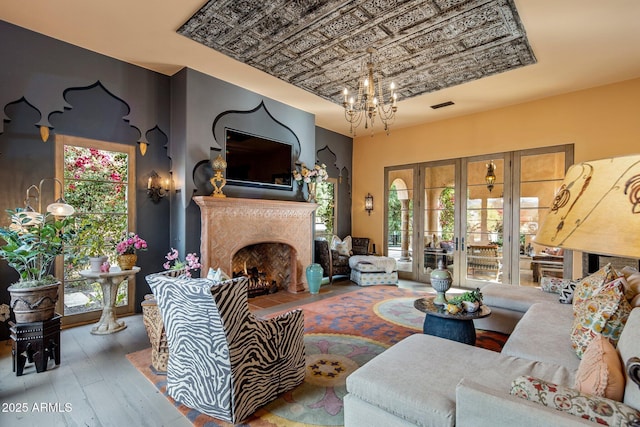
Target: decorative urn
(441,281)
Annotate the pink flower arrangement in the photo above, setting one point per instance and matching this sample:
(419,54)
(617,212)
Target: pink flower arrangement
(191,262)
(130,244)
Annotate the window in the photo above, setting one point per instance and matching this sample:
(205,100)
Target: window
(98,181)
(326,197)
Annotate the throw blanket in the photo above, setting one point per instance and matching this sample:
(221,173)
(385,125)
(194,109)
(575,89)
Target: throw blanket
(382,262)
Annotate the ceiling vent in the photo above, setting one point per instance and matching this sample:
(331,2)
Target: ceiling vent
(444,104)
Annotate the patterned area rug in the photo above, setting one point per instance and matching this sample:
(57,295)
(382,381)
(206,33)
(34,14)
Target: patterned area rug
(341,334)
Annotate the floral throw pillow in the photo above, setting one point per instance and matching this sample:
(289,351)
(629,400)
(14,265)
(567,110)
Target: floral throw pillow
(599,410)
(604,313)
(588,285)
(553,285)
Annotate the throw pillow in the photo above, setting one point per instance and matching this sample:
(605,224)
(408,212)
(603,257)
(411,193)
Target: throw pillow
(604,313)
(566,292)
(600,371)
(335,241)
(587,285)
(217,275)
(343,249)
(552,285)
(599,410)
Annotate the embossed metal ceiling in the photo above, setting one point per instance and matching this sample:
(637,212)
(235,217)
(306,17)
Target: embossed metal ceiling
(319,45)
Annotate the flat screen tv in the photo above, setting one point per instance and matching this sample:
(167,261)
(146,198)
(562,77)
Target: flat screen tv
(257,161)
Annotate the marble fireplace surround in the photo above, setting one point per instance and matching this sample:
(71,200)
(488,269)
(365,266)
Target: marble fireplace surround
(229,224)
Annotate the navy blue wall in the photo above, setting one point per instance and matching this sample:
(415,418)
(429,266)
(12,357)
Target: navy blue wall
(73,91)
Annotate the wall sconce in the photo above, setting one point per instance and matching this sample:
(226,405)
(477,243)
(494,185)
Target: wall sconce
(155,189)
(368,203)
(490,178)
(218,181)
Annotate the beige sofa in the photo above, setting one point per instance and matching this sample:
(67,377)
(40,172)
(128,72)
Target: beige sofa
(429,381)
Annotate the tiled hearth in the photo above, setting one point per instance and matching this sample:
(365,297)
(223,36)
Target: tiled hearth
(231,224)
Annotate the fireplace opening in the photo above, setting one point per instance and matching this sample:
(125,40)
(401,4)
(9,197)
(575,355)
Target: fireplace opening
(267,265)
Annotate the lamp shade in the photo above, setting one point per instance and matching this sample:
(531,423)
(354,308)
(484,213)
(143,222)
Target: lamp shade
(60,208)
(597,209)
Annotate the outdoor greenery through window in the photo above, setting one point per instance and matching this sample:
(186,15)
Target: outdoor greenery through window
(326,212)
(96,185)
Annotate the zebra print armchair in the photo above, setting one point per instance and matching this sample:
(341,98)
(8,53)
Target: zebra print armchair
(223,361)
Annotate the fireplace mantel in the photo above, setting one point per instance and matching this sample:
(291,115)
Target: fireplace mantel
(230,224)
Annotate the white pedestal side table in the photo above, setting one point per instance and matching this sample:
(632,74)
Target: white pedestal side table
(108,324)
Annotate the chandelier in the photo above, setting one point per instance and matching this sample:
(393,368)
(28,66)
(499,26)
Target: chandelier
(370,100)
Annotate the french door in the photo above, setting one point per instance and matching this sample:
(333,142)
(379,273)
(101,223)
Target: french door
(482,230)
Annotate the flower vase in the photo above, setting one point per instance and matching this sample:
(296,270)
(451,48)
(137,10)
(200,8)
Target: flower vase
(311,188)
(127,261)
(314,277)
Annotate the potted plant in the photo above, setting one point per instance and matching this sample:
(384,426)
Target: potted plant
(91,243)
(468,301)
(31,243)
(126,249)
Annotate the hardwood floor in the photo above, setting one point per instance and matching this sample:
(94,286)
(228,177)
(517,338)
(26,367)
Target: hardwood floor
(95,385)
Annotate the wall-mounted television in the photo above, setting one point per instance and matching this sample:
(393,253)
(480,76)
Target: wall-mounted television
(257,161)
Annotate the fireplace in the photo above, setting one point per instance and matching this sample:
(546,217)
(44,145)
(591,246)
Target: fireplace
(231,224)
(266,264)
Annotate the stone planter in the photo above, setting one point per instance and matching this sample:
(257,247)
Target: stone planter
(34,304)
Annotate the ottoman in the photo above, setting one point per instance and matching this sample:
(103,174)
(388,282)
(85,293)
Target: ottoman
(367,270)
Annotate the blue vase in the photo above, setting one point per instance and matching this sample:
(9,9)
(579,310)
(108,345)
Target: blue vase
(314,277)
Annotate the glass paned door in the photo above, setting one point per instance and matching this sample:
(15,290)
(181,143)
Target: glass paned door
(399,223)
(484,230)
(97,179)
(541,174)
(439,237)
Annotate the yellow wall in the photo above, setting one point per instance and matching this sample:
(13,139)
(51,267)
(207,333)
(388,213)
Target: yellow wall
(601,122)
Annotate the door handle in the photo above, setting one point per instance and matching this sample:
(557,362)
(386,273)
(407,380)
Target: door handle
(462,244)
(456,243)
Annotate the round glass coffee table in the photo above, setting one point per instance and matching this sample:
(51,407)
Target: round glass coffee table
(440,323)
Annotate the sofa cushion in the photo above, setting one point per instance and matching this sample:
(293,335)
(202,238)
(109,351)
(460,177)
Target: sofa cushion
(600,371)
(599,410)
(416,378)
(513,297)
(543,334)
(605,312)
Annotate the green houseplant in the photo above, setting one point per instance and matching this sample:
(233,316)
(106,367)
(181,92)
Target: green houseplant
(31,243)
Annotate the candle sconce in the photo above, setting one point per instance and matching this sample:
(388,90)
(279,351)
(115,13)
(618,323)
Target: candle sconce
(155,189)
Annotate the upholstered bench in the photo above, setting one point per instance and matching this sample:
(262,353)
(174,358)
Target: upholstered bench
(367,270)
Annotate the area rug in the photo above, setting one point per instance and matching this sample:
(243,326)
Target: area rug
(341,333)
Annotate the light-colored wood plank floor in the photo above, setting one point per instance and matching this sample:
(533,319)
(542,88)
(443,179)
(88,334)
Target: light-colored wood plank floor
(95,385)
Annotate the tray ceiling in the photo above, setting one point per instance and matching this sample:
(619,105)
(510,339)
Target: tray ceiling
(319,45)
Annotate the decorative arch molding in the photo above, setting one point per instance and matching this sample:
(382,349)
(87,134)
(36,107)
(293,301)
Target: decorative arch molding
(261,123)
(7,108)
(47,96)
(328,157)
